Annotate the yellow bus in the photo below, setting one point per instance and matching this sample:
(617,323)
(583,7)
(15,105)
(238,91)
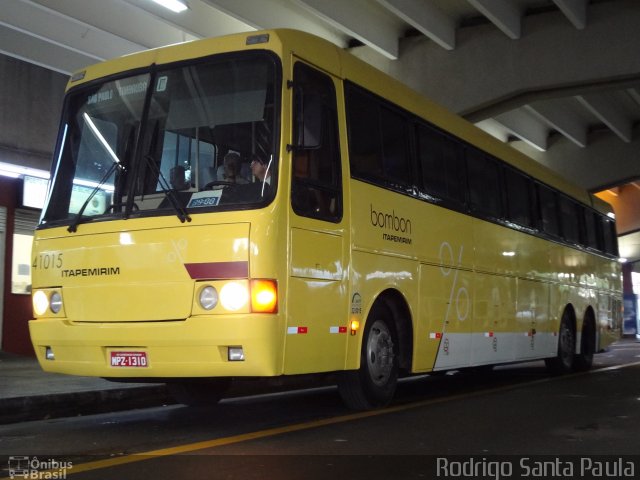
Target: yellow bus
(267,205)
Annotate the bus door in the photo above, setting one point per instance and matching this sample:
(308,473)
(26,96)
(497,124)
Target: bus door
(316,302)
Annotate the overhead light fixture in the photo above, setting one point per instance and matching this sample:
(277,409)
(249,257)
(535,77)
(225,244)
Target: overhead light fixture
(16,171)
(176,6)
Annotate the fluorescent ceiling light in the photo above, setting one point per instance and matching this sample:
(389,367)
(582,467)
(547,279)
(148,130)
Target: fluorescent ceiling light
(99,136)
(176,6)
(16,171)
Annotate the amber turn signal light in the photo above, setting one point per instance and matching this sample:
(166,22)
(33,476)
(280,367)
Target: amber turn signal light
(264,296)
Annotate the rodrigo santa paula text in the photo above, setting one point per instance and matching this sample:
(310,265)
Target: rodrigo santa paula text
(541,467)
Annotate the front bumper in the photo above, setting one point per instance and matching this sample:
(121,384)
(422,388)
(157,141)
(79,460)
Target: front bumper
(195,347)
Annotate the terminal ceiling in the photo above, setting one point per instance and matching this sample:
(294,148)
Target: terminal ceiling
(558,79)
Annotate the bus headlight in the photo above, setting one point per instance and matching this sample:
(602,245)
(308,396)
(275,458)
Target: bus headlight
(40,302)
(44,301)
(234,296)
(208,297)
(55,302)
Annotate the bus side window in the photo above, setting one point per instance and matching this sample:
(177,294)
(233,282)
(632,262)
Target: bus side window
(442,165)
(547,199)
(364,134)
(455,175)
(316,181)
(609,231)
(429,146)
(569,220)
(590,231)
(484,184)
(394,146)
(518,197)
(378,140)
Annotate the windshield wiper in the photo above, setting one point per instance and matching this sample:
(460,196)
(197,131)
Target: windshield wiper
(169,192)
(74,225)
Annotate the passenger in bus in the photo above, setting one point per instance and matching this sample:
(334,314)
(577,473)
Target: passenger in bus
(251,191)
(260,169)
(232,169)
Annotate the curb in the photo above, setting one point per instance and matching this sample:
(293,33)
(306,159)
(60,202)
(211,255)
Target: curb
(44,407)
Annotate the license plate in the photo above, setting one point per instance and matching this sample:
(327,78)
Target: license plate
(129,359)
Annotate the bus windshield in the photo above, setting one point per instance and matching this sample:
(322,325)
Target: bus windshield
(190,139)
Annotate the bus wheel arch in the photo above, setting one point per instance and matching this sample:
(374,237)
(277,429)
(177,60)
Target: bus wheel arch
(588,342)
(563,362)
(385,349)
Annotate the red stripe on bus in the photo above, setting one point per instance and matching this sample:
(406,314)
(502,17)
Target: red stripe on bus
(217,270)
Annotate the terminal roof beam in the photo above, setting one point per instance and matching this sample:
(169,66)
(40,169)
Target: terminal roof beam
(258,14)
(361,20)
(197,22)
(635,94)
(43,53)
(561,118)
(503,14)
(426,18)
(521,125)
(608,114)
(89,43)
(575,11)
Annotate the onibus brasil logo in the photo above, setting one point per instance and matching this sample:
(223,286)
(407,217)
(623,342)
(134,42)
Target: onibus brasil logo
(37,469)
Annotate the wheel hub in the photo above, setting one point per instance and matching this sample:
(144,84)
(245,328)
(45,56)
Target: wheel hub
(380,354)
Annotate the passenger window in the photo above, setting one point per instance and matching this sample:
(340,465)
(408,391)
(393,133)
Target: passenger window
(569,220)
(316,181)
(610,239)
(364,134)
(519,201)
(484,184)
(442,165)
(548,210)
(591,233)
(378,146)
(394,146)
(430,158)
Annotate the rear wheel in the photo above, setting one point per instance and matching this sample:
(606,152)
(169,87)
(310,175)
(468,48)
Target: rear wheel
(199,393)
(584,360)
(563,361)
(374,384)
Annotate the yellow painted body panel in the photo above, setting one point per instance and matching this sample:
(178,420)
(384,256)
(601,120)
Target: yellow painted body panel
(150,304)
(479,293)
(142,268)
(316,320)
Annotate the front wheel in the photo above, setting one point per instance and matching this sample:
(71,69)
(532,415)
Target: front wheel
(374,383)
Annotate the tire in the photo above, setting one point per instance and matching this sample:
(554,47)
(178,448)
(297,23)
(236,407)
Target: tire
(584,360)
(563,362)
(373,385)
(199,393)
